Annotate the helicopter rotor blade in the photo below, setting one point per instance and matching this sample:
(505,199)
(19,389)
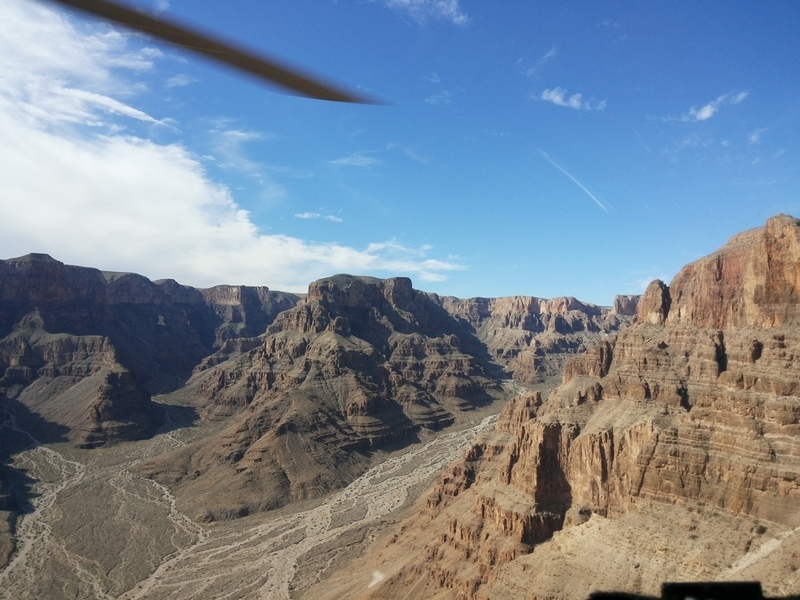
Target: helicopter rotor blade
(230,55)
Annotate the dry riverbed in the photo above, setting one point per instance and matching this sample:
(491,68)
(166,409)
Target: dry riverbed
(97,531)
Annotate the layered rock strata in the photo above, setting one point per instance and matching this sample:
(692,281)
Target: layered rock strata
(361,364)
(85,349)
(302,392)
(533,337)
(672,451)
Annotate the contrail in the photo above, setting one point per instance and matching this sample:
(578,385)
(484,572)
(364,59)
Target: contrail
(578,183)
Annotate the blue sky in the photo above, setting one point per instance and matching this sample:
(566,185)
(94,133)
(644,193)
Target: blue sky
(546,149)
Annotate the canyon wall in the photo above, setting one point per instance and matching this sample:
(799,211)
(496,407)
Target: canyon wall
(301,389)
(669,450)
(533,337)
(85,349)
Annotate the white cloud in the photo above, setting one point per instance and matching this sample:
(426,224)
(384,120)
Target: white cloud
(558,96)
(51,73)
(738,97)
(315,215)
(73,187)
(707,111)
(537,66)
(178,80)
(755,135)
(228,145)
(441,99)
(415,259)
(356,160)
(423,10)
(408,152)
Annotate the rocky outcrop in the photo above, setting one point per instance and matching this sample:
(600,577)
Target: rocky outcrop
(85,348)
(358,364)
(533,337)
(695,410)
(362,363)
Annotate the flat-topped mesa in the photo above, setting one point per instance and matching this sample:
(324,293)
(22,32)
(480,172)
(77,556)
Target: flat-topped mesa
(516,311)
(40,278)
(752,281)
(357,291)
(625,304)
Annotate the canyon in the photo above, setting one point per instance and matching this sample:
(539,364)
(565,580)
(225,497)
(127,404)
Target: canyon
(367,439)
(141,418)
(669,452)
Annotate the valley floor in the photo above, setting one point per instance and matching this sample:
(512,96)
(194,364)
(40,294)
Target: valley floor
(95,530)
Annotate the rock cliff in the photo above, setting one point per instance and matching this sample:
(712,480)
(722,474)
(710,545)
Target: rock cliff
(671,451)
(302,390)
(533,337)
(361,364)
(85,349)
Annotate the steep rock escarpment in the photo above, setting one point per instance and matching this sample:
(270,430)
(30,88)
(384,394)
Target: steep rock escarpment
(533,337)
(85,349)
(360,364)
(669,452)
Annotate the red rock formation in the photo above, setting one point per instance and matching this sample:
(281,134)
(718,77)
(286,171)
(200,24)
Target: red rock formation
(695,406)
(83,347)
(363,362)
(533,337)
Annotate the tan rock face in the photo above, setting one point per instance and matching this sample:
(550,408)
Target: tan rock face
(533,337)
(361,363)
(696,407)
(82,348)
(752,282)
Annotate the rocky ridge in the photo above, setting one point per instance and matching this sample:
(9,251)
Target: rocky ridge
(361,364)
(303,390)
(677,443)
(85,349)
(533,337)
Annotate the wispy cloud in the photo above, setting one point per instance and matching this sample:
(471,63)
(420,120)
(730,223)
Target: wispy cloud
(408,152)
(536,68)
(558,96)
(441,99)
(425,10)
(356,160)
(755,135)
(228,146)
(708,110)
(574,180)
(179,80)
(52,74)
(316,215)
(428,269)
(90,196)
